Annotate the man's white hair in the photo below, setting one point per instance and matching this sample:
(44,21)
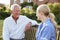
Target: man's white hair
(12,6)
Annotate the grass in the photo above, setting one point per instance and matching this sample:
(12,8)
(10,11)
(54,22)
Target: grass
(1,26)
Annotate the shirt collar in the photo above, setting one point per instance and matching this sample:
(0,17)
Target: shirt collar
(11,17)
(47,21)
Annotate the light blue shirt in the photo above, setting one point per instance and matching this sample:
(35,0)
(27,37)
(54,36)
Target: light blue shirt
(46,31)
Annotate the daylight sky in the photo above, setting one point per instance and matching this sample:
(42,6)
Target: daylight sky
(6,2)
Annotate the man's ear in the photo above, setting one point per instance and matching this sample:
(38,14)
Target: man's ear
(11,13)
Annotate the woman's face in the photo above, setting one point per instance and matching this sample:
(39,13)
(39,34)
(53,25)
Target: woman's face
(39,15)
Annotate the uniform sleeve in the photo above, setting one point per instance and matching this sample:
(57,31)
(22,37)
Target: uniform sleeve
(5,31)
(32,21)
(45,34)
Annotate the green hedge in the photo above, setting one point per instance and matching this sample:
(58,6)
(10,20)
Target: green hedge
(29,4)
(55,8)
(3,15)
(29,13)
(26,4)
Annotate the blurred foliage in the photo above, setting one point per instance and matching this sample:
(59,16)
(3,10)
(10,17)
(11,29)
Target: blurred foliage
(55,8)
(4,12)
(31,13)
(26,4)
(29,4)
(3,15)
(35,7)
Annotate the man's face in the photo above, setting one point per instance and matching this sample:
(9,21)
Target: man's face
(16,12)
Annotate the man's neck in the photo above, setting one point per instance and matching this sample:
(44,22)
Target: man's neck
(15,19)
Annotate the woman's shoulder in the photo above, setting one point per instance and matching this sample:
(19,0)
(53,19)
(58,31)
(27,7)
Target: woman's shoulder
(50,26)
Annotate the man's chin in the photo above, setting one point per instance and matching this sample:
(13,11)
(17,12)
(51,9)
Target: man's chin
(17,16)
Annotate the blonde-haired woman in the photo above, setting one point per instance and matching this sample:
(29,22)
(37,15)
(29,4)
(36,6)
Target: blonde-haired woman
(46,29)
(52,17)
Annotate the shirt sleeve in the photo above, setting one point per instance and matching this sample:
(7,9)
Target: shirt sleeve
(5,31)
(45,34)
(32,21)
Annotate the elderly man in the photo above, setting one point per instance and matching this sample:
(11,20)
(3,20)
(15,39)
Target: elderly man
(15,25)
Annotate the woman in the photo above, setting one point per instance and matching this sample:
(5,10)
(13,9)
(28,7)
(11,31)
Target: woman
(46,29)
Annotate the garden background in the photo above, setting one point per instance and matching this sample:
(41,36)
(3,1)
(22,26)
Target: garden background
(31,13)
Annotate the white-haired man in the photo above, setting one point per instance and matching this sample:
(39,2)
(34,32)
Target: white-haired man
(15,25)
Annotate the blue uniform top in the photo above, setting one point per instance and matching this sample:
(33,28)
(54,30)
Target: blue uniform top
(46,31)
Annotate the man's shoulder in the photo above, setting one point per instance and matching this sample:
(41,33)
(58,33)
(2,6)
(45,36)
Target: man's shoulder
(23,16)
(7,19)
